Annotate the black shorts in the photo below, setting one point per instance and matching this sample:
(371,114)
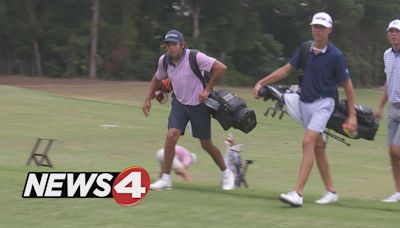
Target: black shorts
(199,117)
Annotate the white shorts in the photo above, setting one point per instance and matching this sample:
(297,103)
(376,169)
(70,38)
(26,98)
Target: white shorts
(393,127)
(315,115)
(176,164)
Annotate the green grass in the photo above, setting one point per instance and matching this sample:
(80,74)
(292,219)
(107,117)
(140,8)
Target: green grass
(361,172)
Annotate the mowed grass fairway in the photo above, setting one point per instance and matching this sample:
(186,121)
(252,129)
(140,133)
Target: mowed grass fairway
(74,111)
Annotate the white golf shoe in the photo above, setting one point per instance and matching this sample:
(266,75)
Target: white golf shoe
(228,181)
(161,184)
(393,198)
(292,198)
(328,197)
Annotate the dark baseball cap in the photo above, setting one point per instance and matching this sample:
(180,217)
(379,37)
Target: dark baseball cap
(173,36)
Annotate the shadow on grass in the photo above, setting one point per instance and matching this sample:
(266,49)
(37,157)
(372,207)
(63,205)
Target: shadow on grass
(249,193)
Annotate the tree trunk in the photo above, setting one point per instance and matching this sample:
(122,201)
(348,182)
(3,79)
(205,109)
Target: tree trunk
(37,59)
(222,56)
(6,65)
(196,16)
(37,62)
(93,41)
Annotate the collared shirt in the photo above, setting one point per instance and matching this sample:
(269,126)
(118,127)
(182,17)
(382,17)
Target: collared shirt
(322,73)
(187,86)
(322,50)
(392,70)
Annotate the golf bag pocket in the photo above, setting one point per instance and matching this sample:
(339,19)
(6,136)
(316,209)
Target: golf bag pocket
(232,111)
(245,120)
(366,121)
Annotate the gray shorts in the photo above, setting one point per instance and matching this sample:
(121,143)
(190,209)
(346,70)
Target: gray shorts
(316,114)
(393,127)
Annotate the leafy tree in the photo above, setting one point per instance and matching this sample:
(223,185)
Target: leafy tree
(253,37)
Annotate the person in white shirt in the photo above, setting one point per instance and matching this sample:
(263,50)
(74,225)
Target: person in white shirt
(391,92)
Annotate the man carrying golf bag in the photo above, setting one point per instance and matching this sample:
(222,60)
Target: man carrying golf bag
(287,100)
(324,68)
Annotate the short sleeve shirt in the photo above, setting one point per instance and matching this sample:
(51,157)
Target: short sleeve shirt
(322,73)
(185,83)
(392,71)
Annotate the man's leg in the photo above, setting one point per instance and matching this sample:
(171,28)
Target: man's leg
(294,198)
(160,158)
(228,179)
(315,115)
(323,164)
(169,152)
(200,120)
(394,151)
(309,142)
(214,152)
(394,144)
(330,195)
(169,148)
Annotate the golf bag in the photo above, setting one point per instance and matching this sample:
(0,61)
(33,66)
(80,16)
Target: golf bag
(287,101)
(366,121)
(231,111)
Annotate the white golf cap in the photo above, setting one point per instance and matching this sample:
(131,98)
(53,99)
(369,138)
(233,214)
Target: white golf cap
(394,24)
(322,19)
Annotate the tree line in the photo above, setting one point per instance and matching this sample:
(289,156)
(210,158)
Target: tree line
(121,39)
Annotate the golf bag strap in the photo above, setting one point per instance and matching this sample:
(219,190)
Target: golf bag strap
(304,49)
(165,62)
(195,67)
